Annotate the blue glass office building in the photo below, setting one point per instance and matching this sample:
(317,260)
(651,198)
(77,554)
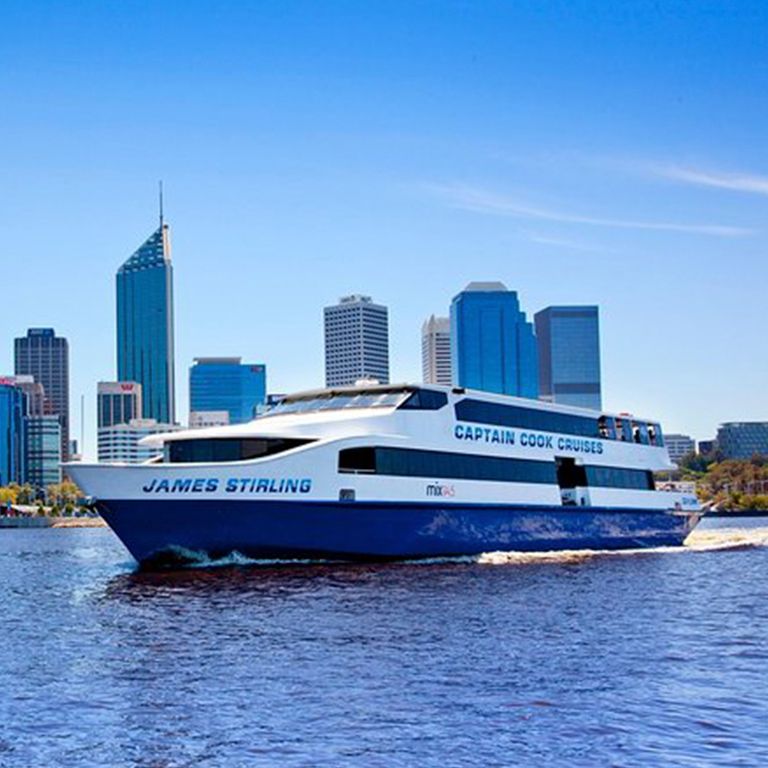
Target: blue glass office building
(12,413)
(569,355)
(42,441)
(227,384)
(493,345)
(145,325)
(742,439)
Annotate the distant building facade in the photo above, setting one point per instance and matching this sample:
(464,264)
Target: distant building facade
(33,391)
(199,419)
(743,439)
(117,402)
(227,384)
(12,429)
(120,442)
(679,446)
(45,356)
(145,344)
(43,450)
(436,366)
(568,340)
(493,344)
(356,341)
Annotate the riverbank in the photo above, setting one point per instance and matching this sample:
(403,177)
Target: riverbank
(740,513)
(78,522)
(42,521)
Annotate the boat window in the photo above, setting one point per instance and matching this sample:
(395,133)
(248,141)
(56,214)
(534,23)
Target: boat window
(624,430)
(425,400)
(406,462)
(526,418)
(620,477)
(606,428)
(640,432)
(658,437)
(216,449)
(357,460)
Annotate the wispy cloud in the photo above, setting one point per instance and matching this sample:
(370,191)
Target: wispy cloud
(482,201)
(739,182)
(562,242)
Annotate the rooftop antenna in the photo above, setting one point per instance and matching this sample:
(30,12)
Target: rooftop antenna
(160,185)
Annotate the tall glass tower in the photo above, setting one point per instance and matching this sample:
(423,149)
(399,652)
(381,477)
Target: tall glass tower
(569,355)
(12,412)
(493,345)
(145,325)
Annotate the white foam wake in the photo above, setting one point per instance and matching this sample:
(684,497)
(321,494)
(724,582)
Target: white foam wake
(698,541)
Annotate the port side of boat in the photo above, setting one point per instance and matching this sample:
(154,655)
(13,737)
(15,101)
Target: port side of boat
(440,478)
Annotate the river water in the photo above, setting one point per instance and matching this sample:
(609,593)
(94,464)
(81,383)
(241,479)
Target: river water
(580,659)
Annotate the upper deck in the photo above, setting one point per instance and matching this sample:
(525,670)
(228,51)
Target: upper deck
(441,418)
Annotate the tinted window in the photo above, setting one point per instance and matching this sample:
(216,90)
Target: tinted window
(618,477)
(226,449)
(404,462)
(526,418)
(425,400)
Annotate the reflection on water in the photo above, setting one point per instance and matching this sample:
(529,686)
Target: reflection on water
(578,659)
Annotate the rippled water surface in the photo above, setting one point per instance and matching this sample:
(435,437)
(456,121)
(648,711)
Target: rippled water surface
(655,658)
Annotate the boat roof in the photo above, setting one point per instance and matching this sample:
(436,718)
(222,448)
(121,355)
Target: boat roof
(379,389)
(526,402)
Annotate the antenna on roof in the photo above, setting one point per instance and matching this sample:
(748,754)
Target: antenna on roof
(160,184)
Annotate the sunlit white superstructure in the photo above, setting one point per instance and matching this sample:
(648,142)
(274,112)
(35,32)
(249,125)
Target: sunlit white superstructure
(381,472)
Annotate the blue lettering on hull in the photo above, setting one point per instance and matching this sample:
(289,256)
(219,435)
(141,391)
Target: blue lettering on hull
(261,485)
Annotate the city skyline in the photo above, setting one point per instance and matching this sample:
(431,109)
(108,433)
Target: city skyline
(641,191)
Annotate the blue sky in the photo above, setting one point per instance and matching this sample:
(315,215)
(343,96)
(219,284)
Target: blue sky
(582,152)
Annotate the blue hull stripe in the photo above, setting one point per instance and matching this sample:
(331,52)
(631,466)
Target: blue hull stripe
(379,530)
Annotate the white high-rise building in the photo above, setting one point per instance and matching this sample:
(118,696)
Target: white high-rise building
(120,442)
(679,446)
(356,342)
(436,351)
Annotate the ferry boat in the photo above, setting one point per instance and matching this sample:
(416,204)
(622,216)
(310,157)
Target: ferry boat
(396,472)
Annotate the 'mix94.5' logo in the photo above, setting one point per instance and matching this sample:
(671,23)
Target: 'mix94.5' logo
(435,489)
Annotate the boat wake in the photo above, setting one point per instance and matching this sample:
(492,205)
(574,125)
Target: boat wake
(698,541)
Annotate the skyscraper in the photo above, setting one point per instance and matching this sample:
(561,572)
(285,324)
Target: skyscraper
(118,402)
(569,355)
(436,365)
(493,345)
(356,341)
(145,324)
(227,384)
(12,413)
(45,356)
